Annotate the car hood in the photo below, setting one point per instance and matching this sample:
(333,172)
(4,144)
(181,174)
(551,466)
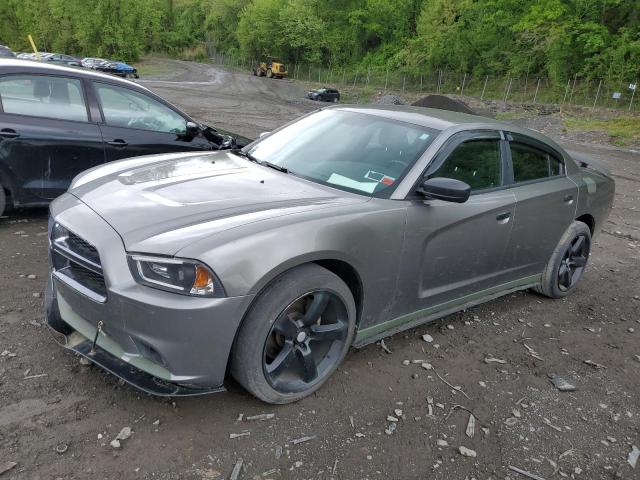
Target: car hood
(163,203)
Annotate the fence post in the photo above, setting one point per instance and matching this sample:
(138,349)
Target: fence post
(506,93)
(404,81)
(386,79)
(309,72)
(421,82)
(597,95)
(344,73)
(484,87)
(535,96)
(355,79)
(573,87)
(464,79)
(633,94)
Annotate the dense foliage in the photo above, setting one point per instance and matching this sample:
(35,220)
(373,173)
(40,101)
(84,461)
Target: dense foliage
(556,38)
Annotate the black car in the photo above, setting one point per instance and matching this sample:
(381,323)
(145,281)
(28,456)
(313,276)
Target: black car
(6,52)
(62,59)
(57,121)
(324,95)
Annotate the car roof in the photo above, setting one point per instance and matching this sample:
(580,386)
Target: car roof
(16,65)
(443,119)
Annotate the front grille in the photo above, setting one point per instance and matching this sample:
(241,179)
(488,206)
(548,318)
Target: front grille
(77,262)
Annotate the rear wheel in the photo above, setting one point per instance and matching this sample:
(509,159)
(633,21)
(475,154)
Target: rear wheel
(567,263)
(295,335)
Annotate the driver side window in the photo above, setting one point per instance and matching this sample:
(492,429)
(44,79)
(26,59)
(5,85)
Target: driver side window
(475,162)
(126,108)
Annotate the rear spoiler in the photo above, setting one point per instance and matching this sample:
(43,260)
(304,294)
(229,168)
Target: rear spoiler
(585,160)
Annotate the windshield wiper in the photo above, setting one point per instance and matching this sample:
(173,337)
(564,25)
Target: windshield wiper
(248,156)
(242,153)
(274,166)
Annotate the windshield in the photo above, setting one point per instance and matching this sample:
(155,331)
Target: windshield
(357,152)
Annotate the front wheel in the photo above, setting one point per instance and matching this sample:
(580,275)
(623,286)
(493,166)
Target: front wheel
(295,335)
(269,73)
(567,263)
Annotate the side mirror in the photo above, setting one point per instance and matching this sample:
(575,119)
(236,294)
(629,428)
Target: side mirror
(447,189)
(192,129)
(262,134)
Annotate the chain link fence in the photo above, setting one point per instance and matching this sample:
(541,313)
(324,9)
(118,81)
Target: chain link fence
(600,93)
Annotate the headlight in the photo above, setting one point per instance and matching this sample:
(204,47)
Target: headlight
(187,277)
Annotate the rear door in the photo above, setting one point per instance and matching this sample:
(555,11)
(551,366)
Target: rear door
(454,250)
(138,124)
(545,203)
(46,136)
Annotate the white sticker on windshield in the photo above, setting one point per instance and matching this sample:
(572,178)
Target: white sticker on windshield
(424,136)
(337,179)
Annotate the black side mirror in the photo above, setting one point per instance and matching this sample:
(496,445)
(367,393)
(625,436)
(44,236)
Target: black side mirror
(447,189)
(192,129)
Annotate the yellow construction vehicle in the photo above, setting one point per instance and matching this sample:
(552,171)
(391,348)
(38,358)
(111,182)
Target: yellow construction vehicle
(272,68)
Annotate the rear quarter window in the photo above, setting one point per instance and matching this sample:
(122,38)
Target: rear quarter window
(530,163)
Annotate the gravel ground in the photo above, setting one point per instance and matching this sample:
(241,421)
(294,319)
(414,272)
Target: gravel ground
(58,417)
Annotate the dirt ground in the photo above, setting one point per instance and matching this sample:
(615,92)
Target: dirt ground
(57,417)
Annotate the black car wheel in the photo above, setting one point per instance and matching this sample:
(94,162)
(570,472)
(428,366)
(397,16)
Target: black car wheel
(295,335)
(567,263)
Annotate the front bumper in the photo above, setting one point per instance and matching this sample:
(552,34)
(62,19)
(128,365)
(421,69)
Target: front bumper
(160,342)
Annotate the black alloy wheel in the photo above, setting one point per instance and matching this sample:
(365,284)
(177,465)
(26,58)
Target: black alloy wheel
(305,341)
(573,262)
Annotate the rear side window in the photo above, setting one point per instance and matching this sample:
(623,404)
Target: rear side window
(530,163)
(43,96)
(475,162)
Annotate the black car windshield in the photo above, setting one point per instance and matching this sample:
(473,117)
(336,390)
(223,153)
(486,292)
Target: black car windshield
(361,153)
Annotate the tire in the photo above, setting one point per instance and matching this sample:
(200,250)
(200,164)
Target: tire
(555,279)
(269,73)
(3,201)
(250,362)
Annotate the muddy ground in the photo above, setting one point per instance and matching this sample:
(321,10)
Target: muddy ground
(50,403)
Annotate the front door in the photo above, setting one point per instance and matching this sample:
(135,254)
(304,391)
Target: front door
(137,124)
(455,250)
(46,137)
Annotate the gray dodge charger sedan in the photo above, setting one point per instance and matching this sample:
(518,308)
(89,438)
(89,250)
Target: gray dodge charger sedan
(338,229)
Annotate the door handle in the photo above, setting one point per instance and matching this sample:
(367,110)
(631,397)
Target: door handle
(9,133)
(568,199)
(503,217)
(118,142)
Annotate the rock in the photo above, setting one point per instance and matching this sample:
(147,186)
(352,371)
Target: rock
(31,276)
(632,459)
(99,436)
(391,418)
(427,338)
(467,452)
(303,439)
(450,327)
(442,443)
(427,366)
(115,443)
(562,385)
(36,294)
(298,464)
(84,361)
(516,413)
(390,429)
(156,422)
(124,433)
(630,330)
(6,466)
(239,435)
(406,362)
(593,364)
